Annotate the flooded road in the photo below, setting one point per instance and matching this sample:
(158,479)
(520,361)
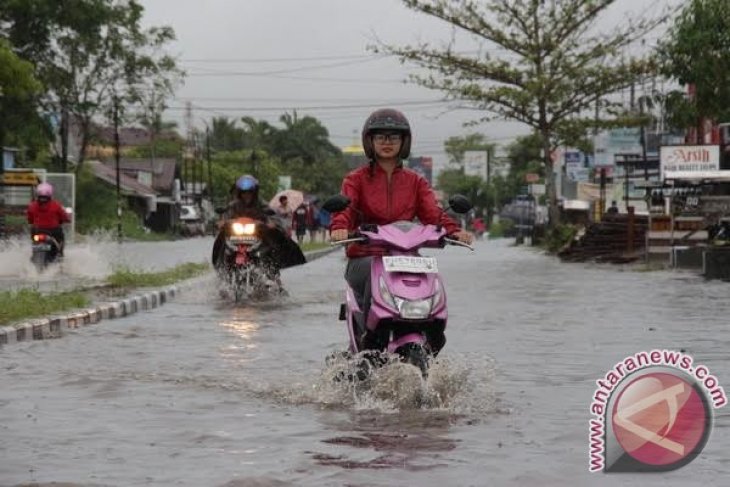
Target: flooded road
(89,262)
(203,393)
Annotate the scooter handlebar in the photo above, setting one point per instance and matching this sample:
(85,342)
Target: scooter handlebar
(354,237)
(459,243)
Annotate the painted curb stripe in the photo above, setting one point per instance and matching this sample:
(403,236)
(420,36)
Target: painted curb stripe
(40,329)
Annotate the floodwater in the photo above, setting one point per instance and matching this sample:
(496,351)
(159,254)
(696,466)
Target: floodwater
(89,262)
(203,393)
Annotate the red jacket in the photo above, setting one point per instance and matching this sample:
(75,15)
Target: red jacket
(47,215)
(407,195)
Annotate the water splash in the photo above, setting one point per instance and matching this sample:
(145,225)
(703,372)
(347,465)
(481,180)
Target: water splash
(86,259)
(456,384)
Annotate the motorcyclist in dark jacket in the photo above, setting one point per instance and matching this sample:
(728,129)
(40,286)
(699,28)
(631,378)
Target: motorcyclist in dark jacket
(281,251)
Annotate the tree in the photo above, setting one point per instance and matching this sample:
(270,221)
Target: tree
(455,147)
(305,138)
(225,136)
(87,53)
(19,90)
(543,63)
(697,54)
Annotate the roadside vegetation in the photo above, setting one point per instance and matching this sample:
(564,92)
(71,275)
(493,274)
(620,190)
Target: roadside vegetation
(127,278)
(310,246)
(30,303)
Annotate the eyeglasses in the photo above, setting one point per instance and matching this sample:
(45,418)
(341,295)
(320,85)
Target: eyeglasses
(381,138)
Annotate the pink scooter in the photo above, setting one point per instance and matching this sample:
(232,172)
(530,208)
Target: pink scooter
(407,313)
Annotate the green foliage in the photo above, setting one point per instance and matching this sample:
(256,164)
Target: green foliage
(697,51)
(20,124)
(160,148)
(501,228)
(300,148)
(559,236)
(87,53)
(96,210)
(455,147)
(29,303)
(127,278)
(540,63)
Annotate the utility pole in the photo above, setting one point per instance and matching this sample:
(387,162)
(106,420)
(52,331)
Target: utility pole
(2,178)
(207,156)
(117,157)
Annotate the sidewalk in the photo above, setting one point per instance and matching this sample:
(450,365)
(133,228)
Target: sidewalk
(53,326)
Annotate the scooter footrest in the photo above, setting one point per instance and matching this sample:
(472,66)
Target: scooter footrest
(343,312)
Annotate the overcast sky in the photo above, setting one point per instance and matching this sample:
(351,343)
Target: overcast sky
(264,57)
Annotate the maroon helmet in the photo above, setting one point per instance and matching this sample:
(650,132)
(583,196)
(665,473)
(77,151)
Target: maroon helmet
(386,120)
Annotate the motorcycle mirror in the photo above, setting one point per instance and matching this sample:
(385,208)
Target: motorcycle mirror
(460,204)
(336,203)
(220,210)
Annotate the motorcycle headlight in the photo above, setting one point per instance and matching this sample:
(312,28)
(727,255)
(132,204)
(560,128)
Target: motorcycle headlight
(411,310)
(385,294)
(415,310)
(243,228)
(438,294)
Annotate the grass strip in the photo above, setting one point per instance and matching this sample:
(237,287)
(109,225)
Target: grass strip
(29,303)
(127,278)
(310,246)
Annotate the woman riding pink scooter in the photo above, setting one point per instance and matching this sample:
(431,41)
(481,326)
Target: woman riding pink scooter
(381,193)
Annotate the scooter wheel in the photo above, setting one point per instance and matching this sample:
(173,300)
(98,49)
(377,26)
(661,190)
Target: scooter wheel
(416,355)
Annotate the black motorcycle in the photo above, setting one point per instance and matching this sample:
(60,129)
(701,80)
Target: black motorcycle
(248,255)
(46,249)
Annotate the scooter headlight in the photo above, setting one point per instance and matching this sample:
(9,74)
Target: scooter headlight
(411,310)
(243,228)
(415,310)
(386,296)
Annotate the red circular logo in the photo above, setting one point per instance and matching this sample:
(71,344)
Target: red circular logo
(661,419)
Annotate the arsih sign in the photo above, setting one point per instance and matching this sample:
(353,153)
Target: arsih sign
(693,158)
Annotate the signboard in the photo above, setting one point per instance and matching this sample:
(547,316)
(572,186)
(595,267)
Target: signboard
(284,183)
(475,163)
(572,157)
(537,189)
(689,158)
(578,173)
(25,178)
(616,141)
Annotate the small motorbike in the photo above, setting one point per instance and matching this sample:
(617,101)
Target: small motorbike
(408,313)
(243,262)
(45,249)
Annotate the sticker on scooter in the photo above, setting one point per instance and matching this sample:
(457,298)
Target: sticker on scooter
(404,263)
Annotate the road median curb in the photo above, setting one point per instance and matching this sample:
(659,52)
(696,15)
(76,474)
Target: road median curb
(55,325)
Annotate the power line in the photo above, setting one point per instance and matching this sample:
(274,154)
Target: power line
(275,60)
(285,71)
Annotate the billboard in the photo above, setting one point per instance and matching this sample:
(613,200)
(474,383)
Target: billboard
(475,163)
(689,158)
(616,141)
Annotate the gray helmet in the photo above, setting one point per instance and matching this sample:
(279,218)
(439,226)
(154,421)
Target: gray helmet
(386,120)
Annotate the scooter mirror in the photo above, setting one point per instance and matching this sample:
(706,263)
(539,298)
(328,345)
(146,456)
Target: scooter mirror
(336,203)
(460,204)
